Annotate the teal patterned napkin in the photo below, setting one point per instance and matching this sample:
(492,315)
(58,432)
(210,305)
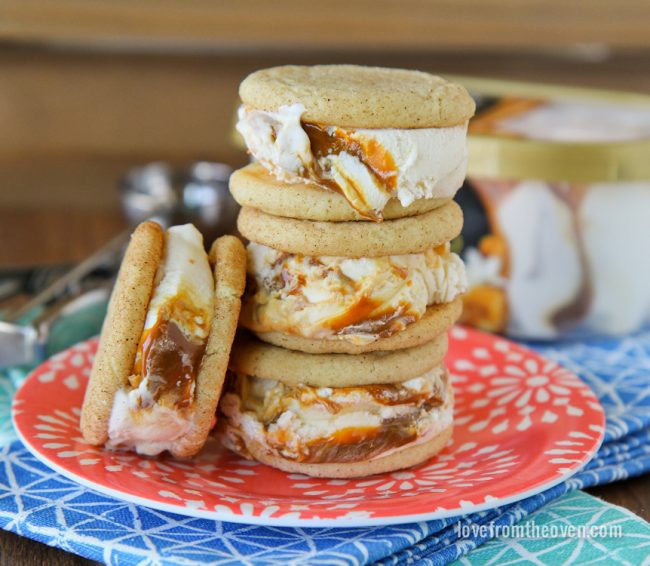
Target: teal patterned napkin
(67,331)
(578,510)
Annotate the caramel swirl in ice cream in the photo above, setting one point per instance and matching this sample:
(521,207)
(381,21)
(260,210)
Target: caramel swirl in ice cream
(358,300)
(334,424)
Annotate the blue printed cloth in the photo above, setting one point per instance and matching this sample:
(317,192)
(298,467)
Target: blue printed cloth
(38,503)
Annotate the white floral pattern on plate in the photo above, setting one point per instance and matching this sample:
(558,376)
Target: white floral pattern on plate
(522,424)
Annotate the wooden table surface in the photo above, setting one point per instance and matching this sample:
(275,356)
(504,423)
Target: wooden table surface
(59,202)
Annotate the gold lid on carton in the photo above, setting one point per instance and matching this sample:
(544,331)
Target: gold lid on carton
(500,146)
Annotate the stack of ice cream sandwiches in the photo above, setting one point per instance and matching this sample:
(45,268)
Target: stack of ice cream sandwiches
(351,285)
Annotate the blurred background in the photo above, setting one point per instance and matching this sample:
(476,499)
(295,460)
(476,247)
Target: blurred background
(90,88)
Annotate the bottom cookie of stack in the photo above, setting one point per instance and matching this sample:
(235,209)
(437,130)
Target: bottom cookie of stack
(337,415)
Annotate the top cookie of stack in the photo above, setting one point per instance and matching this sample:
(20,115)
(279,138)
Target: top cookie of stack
(351,143)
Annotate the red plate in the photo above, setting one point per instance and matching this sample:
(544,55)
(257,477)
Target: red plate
(523,424)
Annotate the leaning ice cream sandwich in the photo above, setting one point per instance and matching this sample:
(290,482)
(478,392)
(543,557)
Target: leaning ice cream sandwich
(165,342)
(337,415)
(390,142)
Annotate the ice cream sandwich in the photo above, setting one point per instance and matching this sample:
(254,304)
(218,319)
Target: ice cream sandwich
(337,415)
(165,342)
(351,287)
(372,135)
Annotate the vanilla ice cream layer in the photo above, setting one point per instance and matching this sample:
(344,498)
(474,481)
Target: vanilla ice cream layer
(147,431)
(367,166)
(154,409)
(359,300)
(184,273)
(329,424)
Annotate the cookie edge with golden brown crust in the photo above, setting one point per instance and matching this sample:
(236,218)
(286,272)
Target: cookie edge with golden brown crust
(436,320)
(405,457)
(410,235)
(260,359)
(122,329)
(355,96)
(253,186)
(229,258)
